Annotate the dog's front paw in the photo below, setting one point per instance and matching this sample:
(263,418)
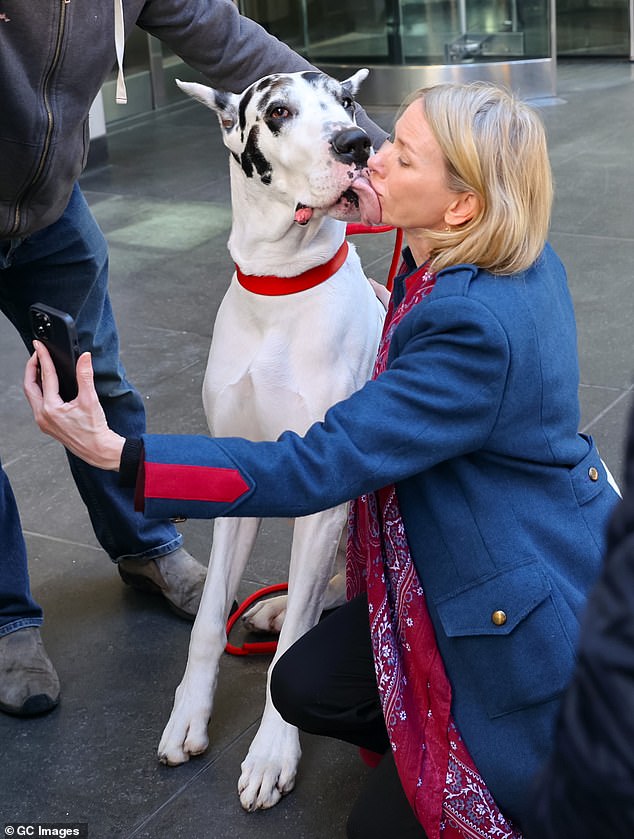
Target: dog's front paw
(185,734)
(269,774)
(181,740)
(264,781)
(266,616)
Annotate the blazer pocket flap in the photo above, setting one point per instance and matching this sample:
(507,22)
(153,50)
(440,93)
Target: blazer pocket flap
(495,605)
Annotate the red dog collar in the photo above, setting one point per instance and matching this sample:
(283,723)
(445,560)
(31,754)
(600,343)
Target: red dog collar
(276,286)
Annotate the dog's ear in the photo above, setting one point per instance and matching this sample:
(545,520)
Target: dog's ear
(353,84)
(224,104)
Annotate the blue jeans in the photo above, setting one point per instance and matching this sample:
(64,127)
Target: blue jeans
(66,266)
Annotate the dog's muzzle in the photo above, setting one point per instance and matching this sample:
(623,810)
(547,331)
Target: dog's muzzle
(352,145)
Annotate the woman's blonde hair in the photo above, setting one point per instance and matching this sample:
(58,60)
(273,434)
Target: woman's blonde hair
(495,146)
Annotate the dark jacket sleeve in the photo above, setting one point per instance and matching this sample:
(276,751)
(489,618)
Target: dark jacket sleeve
(231,50)
(587,789)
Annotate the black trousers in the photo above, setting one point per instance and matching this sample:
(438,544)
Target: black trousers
(326,684)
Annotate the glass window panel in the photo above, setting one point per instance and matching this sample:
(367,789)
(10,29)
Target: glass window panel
(461,31)
(398,32)
(327,30)
(593,27)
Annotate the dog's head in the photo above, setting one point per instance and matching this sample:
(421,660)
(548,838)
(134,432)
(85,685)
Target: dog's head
(294,136)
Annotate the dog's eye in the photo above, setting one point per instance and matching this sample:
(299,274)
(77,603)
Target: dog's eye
(279,112)
(347,102)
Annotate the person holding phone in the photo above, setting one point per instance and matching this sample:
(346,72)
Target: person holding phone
(52,65)
(479,512)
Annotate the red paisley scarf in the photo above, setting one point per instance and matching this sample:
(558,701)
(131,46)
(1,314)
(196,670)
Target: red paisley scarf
(443,786)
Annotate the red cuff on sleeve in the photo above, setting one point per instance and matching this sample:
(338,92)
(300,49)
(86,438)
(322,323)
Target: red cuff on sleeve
(193,483)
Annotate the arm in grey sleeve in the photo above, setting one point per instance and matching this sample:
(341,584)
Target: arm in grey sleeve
(231,50)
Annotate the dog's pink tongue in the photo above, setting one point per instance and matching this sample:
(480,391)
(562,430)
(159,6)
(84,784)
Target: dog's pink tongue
(303,214)
(369,206)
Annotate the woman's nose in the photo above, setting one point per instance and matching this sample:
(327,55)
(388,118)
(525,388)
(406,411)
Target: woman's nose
(375,163)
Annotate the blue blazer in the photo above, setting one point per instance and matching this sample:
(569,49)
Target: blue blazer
(505,503)
(586,790)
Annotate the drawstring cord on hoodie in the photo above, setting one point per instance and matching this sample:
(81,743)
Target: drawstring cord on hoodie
(121,96)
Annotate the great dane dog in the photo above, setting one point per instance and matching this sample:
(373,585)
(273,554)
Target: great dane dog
(283,350)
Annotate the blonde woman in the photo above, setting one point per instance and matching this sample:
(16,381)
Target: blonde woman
(480,513)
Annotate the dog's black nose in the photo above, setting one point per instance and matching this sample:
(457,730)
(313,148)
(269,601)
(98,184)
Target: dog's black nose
(352,145)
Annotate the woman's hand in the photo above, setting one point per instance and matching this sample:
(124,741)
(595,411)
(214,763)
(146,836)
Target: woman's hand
(79,425)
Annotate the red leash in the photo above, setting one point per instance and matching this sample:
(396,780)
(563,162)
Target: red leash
(257,647)
(269,647)
(354,229)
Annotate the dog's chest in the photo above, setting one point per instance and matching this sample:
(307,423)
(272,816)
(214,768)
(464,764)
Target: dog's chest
(260,372)
(278,363)
(260,395)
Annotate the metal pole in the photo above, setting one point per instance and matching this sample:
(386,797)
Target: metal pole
(462,16)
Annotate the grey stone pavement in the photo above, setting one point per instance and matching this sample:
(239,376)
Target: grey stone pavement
(163,201)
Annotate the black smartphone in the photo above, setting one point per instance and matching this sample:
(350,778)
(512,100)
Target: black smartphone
(56,330)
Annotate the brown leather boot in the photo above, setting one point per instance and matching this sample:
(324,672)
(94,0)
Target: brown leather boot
(28,682)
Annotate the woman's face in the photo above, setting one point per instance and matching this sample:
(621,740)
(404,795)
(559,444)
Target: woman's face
(409,175)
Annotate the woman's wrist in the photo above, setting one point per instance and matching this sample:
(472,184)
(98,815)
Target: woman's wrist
(110,451)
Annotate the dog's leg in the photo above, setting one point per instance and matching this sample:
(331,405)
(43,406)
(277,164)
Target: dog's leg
(268,615)
(336,589)
(186,730)
(269,769)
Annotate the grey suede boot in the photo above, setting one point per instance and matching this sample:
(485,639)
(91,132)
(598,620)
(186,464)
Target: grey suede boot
(28,682)
(178,577)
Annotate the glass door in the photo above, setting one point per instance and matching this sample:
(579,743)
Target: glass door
(399,32)
(410,43)
(593,28)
